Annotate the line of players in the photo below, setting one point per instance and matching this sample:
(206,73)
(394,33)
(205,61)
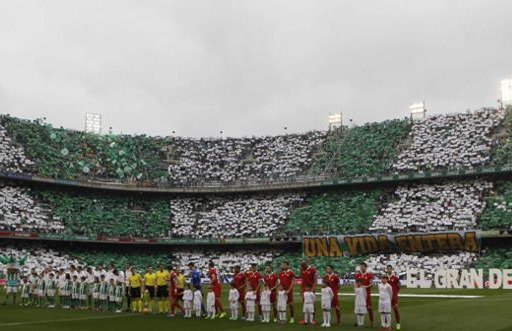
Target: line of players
(279,289)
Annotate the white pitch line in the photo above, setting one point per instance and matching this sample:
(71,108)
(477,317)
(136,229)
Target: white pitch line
(439,296)
(65,320)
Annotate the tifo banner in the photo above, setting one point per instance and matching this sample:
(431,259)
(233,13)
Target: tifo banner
(432,242)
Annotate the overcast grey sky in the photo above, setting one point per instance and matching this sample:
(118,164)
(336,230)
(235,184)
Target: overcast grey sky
(248,67)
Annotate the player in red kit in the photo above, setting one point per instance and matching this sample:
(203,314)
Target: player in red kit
(217,288)
(394,281)
(333,280)
(308,277)
(254,280)
(286,279)
(173,292)
(240,283)
(270,280)
(366,278)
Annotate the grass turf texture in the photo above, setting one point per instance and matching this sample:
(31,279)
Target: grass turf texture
(490,313)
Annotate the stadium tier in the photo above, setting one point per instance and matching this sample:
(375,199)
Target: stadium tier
(453,141)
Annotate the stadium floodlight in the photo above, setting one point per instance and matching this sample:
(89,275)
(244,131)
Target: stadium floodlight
(506,92)
(418,111)
(335,121)
(93,123)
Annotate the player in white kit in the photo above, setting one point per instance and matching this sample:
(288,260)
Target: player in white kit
(233,297)
(309,306)
(266,305)
(188,298)
(198,301)
(282,299)
(250,299)
(385,295)
(359,302)
(327,296)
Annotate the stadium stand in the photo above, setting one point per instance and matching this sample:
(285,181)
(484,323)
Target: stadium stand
(498,213)
(231,217)
(12,158)
(107,214)
(362,150)
(450,141)
(344,212)
(433,207)
(19,211)
(500,258)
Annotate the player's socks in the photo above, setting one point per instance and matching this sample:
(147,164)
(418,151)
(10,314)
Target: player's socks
(397,314)
(139,306)
(370,314)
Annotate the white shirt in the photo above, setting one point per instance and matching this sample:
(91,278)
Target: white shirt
(309,297)
(327,294)
(360,296)
(282,298)
(385,293)
(234,295)
(210,299)
(188,295)
(265,297)
(198,297)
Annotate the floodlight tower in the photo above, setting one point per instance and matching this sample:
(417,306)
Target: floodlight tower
(506,92)
(93,123)
(418,111)
(335,121)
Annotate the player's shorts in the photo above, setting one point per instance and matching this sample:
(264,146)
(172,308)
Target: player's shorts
(368,300)
(173,293)
(12,289)
(385,307)
(151,290)
(217,289)
(394,300)
(309,308)
(241,298)
(290,298)
(326,305)
(360,310)
(273,297)
(162,291)
(335,303)
(179,293)
(135,292)
(50,293)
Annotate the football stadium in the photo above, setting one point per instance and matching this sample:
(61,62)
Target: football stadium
(403,222)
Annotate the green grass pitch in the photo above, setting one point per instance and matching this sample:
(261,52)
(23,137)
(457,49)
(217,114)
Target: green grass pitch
(491,312)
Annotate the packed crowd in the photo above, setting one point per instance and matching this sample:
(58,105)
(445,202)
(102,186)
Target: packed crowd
(231,217)
(462,140)
(12,157)
(19,211)
(433,207)
(363,150)
(498,214)
(241,159)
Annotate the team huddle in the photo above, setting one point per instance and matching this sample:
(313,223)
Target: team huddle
(270,294)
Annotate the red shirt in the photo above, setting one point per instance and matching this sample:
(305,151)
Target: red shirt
(214,280)
(254,278)
(286,278)
(394,281)
(239,280)
(366,278)
(270,280)
(172,280)
(308,276)
(334,282)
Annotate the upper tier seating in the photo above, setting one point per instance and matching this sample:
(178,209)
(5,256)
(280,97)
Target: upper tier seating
(450,141)
(498,213)
(362,150)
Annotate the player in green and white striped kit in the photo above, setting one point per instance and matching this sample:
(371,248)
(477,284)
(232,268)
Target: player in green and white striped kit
(40,290)
(75,292)
(111,294)
(50,286)
(25,293)
(103,293)
(96,294)
(84,293)
(13,282)
(119,293)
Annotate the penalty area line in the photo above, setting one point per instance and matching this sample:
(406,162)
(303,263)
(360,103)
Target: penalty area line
(64,320)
